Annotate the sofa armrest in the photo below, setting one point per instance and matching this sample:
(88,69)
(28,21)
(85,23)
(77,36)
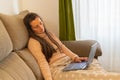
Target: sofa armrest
(82,47)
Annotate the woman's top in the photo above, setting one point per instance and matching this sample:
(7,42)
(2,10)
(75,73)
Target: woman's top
(36,49)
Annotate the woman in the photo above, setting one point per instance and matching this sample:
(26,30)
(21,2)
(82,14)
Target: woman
(48,50)
(45,46)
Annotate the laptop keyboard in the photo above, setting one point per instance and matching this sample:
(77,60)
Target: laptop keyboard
(74,66)
(80,65)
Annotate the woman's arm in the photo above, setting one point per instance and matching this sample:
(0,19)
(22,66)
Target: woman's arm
(64,48)
(68,52)
(36,50)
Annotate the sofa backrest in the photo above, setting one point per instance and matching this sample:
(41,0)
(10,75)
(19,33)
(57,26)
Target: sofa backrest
(5,42)
(14,54)
(16,29)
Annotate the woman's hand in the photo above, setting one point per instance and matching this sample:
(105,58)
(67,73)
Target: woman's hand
(80,59)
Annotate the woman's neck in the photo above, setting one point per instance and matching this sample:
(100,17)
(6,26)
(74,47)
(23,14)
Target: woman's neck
(42,35)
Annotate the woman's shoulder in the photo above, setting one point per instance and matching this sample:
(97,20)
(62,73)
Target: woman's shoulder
(34,45)
(33,41)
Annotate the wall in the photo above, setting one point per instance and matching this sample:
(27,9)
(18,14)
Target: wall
(47,9)
(9,6)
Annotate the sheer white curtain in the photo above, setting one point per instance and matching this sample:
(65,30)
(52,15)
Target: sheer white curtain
(100,20)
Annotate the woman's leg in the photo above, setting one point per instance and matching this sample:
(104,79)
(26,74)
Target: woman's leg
(94,72)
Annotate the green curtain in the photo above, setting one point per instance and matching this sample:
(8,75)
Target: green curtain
(66,22)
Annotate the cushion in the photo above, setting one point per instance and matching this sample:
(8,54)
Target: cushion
(23,13)
(14,68)
(5,42)
(31,62)
(5,75)
(16,29)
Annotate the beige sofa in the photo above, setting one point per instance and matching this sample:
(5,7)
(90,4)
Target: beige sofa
(16,61)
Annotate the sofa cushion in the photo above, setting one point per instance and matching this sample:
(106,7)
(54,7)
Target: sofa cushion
(16,29)
(26,55)
(23,13)
(15,68)
(5,75)
(5,42)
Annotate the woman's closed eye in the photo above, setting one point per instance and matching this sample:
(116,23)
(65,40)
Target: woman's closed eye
(36,26)
(41,23)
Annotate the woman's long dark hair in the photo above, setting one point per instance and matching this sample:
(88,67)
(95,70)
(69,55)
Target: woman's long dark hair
(47,48)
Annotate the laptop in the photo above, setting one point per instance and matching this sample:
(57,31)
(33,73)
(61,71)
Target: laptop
(84,64)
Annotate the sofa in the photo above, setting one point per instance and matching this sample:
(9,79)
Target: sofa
(16,61)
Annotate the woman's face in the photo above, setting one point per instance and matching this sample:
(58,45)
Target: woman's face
(37,26)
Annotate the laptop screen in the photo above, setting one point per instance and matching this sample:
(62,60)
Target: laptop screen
(92,52)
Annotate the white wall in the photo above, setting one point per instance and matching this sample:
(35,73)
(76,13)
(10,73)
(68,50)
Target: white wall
(9,6)
(47,9)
